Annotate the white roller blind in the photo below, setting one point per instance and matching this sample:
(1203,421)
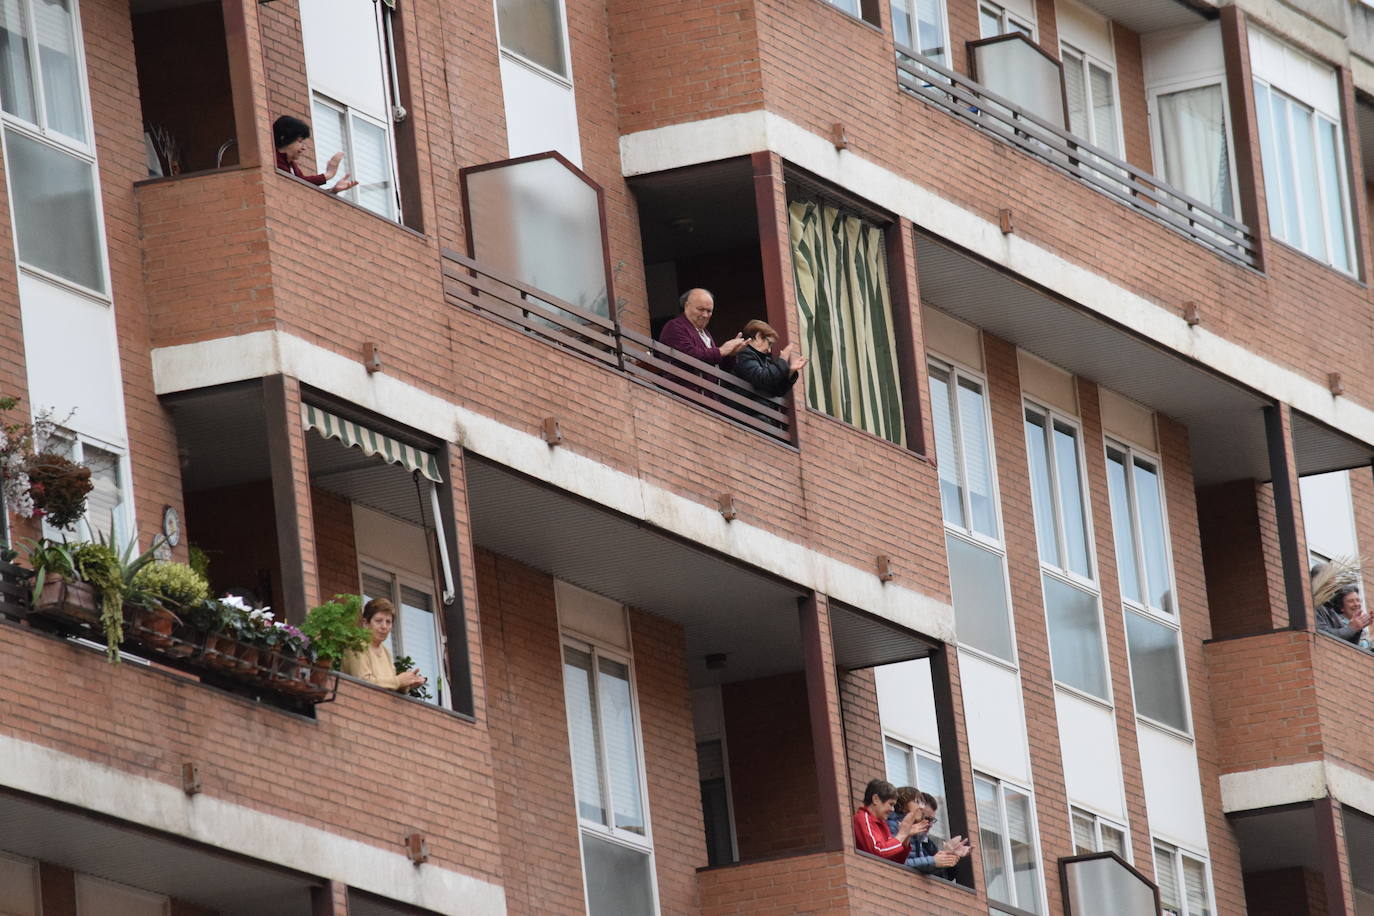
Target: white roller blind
(343,52)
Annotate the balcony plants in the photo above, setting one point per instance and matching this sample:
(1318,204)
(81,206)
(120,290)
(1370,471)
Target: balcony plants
(335,629)
(36,480)
(58,589)
(159,592)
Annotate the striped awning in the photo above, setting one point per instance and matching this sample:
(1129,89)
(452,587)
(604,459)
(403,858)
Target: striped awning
(355,435)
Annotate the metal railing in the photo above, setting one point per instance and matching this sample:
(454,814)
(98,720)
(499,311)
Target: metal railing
(471,285)
(1148,194)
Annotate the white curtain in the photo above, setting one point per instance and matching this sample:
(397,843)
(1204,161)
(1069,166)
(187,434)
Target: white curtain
(1193,135)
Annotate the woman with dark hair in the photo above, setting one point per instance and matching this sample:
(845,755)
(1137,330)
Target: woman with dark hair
(374,663)
(288,136)
(756,364)
(1344,615)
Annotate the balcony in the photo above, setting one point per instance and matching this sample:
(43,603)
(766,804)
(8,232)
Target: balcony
(1037,135)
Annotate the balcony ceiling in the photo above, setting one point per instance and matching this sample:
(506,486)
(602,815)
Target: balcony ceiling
(1146,16)
(149,861)
(697,210)
(722,606)
(1276,838)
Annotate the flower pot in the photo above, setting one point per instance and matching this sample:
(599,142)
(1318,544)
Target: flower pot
(246,659)
(72,602)
(319,683)
(152,626)
(219,652)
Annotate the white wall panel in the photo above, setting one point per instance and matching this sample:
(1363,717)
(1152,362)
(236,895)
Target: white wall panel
(1328,516)
(1092,760)
(1182,55)
(995,718)
(541,112)
(1173,791)
(906,702)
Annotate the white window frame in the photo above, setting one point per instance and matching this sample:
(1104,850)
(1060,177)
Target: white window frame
(609,832)
(1157,132)
(911,751)
(124,525)
(1091,584)
(910,5)
(1098,822)
(396,642)
(85,152)
(1274,200)
(517,57)
(1087,60)
(1005,19)
(1002,786)
(1128,605)
(996,545)
(1176,856)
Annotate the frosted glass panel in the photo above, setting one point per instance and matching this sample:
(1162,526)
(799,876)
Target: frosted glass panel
(541,223)
(534,30)
(53,198)
(1155,670)
(1016,70)
(1095,880)
(978,582)
(619,879)
(1075,637)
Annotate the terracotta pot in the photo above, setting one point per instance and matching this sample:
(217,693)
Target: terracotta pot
(152,626)
(246,659)
(220,652)
(318,686)
(72,601)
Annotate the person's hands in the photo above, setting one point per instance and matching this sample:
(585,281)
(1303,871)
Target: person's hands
(333,165)
(411,678)
(732,346)
(1360,620)
(958,846)
(946,860)
(797,362)
(912,823)
(344,184)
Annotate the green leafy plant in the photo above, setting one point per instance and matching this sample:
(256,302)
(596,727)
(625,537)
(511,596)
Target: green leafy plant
(335,628)
(405,663)
(44,557)
(199,560)
(172,583)
(99,565)
(59,487)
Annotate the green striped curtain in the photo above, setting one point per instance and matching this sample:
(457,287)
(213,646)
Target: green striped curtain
(840,267)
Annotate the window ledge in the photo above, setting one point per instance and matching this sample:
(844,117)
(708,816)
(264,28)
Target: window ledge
(185,176)
(287,176)
(408,699)
(944,882)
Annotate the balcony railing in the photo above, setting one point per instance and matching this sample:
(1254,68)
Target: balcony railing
(471,285)
(1148,194)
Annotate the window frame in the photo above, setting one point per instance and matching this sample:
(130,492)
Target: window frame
(1088,60)
(124,521)
(1098,822)
(514,56)
(1001,786)
(1342,179)
(1006,19)
(83,151)
(997,546)
(946,59)
(1176,856)
(398,579)
(1157,132)
(911,751)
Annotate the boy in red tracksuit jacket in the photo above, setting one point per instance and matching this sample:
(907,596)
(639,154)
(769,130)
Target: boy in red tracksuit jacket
(871,833)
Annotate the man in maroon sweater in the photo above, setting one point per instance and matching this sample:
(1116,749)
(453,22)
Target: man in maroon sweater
(687,332)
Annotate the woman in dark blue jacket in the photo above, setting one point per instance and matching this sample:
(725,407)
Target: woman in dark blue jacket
(756,364)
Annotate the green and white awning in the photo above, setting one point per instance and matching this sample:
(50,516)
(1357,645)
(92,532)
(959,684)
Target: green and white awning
(371,442)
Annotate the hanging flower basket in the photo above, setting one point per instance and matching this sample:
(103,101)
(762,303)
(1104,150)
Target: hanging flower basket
(59,487)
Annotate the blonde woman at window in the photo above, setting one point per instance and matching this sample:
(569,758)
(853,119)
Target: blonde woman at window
(289,135)
(374,663)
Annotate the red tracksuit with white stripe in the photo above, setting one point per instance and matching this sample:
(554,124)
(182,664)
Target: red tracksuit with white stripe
(871,835)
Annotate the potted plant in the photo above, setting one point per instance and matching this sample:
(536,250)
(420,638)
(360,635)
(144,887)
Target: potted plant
(222,623)
(58,589)
(287,656)
(59,487)
(160,591)
(335,629)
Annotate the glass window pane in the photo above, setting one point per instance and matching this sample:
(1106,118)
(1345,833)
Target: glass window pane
(946,449)
(1150,506)
(1269,156)
(715,802)
(1195,887)
(897,760)
(1113,839)
(1071,500)
(619,879)
(58,64)
(977,458)
(1194,142)
(1077,91)
(1288,180)
(584,736)
(371,167)
(534,30)
(1333,198)
(1104,108)
(1046,531)
(901,26)
(1155,670)
(16,78)
(1084,843)
(977,579)
(1123,526)
(103,503)
(420,638)
(1167,879)
(989,23)
(990,840)
(1075,637)
(1025,866)
(931,778)
(1309,197)
(930,23)
(52,195)
(622,756)
(329,135)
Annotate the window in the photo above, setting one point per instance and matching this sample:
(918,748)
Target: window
(352,94)
(415,634)
(1092,833)
(994,20)
(603,728)
(48,154)
(533,31)
(1072,608)
(911,766)
(1143,567)
(839,261)
(1194,144)
(977,564)
(1090,86)
(1006,834)
(713,776)
(919,25)
(106,510)
(1184,888)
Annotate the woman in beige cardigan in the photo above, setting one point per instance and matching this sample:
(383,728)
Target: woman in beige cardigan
(374,663)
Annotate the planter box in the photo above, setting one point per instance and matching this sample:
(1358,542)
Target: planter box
(16,590)
(69,602)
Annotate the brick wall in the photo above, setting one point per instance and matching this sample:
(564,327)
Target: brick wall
(1233,550)
(336,552)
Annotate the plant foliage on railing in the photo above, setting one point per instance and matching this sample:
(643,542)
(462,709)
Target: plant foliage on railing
(1149,194)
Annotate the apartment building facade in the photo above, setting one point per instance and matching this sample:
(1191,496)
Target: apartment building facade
(1084,289)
